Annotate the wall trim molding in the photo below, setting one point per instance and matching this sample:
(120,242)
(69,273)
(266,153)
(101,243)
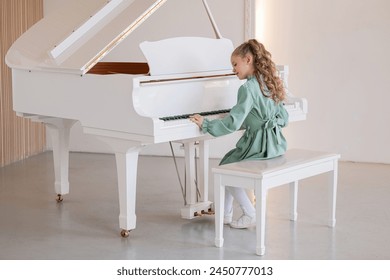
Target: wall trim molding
(19,137)
(250,15)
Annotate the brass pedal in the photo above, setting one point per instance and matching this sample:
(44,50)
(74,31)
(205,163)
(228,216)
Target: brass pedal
(209,212)
(197,214)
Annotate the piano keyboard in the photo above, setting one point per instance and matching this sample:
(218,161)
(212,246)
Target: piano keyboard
(288,106)
(186,116)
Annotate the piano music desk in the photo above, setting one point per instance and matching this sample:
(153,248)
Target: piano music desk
(262,175)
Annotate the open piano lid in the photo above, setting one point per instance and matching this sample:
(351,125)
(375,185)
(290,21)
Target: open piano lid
(77,36)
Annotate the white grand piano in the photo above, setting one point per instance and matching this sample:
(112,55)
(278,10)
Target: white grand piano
(59,79)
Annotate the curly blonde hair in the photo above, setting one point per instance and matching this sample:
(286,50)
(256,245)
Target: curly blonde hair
(265,69)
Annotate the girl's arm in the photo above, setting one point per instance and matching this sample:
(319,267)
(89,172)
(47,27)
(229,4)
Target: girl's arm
(282,116)
(233,121)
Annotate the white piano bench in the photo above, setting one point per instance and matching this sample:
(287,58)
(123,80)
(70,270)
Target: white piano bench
(262,175)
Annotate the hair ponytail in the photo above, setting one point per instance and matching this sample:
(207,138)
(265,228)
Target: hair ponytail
(265,69)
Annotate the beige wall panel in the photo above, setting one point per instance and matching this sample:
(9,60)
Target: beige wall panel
(19,138)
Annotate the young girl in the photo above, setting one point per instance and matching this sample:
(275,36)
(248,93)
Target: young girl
(260,112)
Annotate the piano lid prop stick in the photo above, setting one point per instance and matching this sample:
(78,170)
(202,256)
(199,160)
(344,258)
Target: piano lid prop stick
(124,34)
(84,28)
(215,27)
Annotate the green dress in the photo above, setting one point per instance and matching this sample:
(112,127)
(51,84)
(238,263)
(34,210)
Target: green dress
(262,120)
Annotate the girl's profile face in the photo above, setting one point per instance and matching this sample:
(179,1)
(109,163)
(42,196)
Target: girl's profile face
(242,66)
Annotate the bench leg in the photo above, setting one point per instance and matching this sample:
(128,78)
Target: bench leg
(219,202)
(293,200)
(332,194)
(261,200)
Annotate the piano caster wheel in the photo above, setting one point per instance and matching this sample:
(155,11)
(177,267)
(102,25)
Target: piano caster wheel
(125,233)
(59,198)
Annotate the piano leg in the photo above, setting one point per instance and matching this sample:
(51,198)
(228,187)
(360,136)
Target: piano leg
(196,184)
(59,130)
(126,155)
(204,169)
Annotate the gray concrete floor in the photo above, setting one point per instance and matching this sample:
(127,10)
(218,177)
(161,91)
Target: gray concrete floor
(85,225)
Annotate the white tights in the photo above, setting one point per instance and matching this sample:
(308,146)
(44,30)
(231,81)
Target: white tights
(240,195)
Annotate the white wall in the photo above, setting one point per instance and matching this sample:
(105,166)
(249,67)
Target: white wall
(338,52)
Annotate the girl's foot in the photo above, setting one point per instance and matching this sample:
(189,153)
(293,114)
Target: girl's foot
(244,222)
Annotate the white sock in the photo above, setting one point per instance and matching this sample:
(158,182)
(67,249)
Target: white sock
(240,195)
